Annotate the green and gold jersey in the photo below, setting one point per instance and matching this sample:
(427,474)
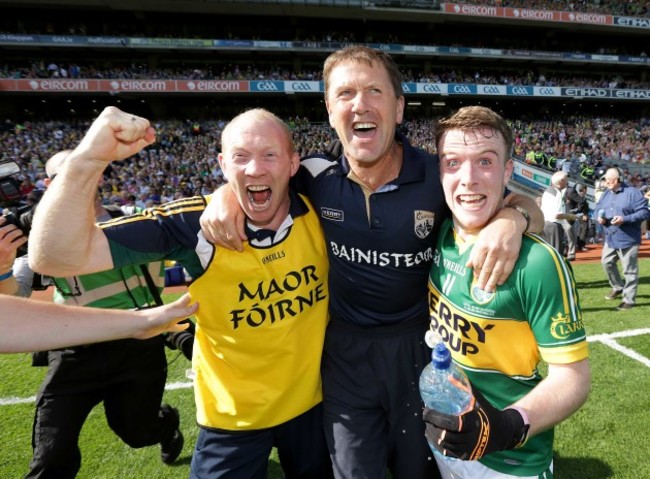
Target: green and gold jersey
(500,338)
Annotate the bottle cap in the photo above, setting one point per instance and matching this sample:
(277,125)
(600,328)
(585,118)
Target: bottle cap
(441,357)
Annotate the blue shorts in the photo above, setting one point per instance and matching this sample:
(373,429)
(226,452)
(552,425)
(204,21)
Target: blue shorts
(301,445)
(372,406)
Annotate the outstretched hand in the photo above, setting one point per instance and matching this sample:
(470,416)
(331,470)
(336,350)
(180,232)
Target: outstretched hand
(165,319)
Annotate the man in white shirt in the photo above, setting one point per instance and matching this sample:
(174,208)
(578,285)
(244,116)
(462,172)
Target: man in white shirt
(557,230)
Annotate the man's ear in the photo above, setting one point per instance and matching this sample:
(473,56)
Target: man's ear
(399,114)
(295,163)
(329,113)
(507,173)
(222,165)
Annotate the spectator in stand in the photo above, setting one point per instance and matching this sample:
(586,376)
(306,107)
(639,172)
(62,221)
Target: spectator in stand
(130,208)
(26,187)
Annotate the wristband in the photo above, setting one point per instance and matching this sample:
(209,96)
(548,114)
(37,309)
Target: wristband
(523,434)
(7,275)
(523,213)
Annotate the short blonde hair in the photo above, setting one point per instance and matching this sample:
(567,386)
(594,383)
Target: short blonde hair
(260,114)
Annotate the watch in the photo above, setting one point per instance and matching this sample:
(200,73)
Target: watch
(523,212)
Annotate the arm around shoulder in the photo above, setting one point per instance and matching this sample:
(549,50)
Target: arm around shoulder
(223,220)
(535,220)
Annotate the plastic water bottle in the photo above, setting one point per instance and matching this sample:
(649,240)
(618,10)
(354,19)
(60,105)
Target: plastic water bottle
(445,388)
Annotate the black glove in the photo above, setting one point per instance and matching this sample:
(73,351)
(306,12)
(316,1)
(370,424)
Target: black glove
(480,431)
(182,340)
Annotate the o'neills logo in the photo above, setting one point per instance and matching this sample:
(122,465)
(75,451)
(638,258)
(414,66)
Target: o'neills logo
(331,214)
(423,223)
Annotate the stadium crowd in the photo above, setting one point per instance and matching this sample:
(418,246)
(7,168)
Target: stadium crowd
(183,161)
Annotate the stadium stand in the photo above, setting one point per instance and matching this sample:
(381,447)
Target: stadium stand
(188,69)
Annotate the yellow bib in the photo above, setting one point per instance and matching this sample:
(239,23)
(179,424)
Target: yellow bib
(260,329)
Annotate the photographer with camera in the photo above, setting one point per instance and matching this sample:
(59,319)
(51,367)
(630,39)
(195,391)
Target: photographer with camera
(127,375)
(11,238)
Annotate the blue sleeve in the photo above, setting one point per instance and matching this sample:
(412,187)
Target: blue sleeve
(639,204)
(310,168)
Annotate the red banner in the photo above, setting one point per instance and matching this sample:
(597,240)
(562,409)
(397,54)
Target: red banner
(50,85)
(526,14)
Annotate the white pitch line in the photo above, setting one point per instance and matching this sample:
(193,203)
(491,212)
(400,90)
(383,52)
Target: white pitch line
(610,340)
(172,386)
(620,334)
(626,351)
(606,339)
(10,401)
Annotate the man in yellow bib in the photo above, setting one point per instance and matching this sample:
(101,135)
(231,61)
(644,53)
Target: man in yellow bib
(262,315)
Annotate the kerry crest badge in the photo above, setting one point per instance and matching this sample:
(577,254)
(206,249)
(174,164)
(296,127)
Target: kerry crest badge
(423,223)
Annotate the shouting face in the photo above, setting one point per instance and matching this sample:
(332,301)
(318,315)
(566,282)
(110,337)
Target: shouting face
(363,109)
(474,169)
(258,160)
